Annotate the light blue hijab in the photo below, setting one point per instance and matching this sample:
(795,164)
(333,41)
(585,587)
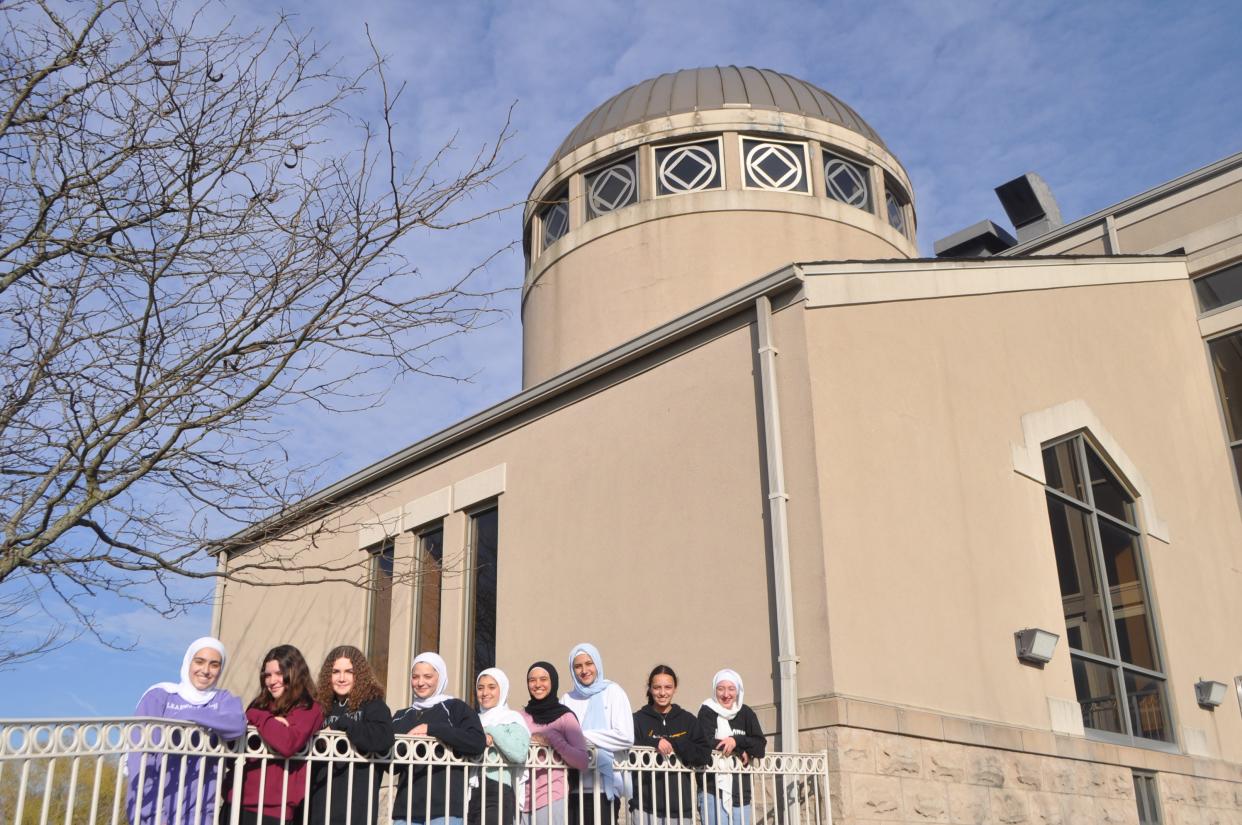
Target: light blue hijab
(594,718)
(594,692)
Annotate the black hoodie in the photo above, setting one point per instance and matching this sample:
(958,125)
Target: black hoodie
(657,791)
(455,724)
(750,741)
(369,729)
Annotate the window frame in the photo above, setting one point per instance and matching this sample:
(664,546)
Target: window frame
(1081,442)
(1147,797)
(1234,445)
(376,553)
(899,196)
(559,197)
(1203,276)
(420,535)
(636,198)
(718,140)
(825,154)
(471,582)
(807,188)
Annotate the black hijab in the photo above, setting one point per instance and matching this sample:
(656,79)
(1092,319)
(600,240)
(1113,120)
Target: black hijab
(547,710)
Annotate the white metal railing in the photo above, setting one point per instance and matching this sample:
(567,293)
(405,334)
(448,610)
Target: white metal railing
(74,771)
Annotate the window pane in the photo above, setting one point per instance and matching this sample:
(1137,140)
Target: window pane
(847,182)
(776,166)
(430,571)
(1145,698)
(1061,469)
(1096,688)
(1227,360)
(896,214)
(688,168)
(1237,462)
(1109,495)
(1080,597)
(1220,288)
(611,188)
(555,220)
(1125,584)
(380,620)
(486,526)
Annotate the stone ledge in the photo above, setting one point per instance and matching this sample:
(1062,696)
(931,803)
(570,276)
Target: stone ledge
(847,712)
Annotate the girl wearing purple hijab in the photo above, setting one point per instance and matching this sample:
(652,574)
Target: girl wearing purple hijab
(192,779)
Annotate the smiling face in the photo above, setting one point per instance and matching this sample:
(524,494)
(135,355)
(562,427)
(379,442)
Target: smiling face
(584,669)
(726,693)
(342,676)
(487,690)
(424,680)
(273,679)
(662,688)
(539,683)
(205,668)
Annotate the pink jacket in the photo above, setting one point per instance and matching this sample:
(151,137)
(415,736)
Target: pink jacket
(565,737)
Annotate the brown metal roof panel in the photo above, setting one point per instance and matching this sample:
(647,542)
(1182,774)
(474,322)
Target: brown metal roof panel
(732,85)
(804,96)
(635,104)
(684,96)
(710,88)
(757,92)
(781,87)
(660,95)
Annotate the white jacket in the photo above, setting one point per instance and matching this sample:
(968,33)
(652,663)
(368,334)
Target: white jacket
(610,742)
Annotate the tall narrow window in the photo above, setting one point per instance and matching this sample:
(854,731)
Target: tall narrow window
(379,621)
(484,534)
(1227,364)
(430,572)
(1145,798)
(1116,662)
(554,217)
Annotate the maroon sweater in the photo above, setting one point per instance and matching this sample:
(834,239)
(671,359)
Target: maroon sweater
(285,740)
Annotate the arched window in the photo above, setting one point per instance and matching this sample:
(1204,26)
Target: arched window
(1118,674)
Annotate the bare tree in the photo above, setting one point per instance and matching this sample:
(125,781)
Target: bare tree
(185,249)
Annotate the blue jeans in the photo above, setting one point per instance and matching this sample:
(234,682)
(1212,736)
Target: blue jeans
(714,813)
(435,820)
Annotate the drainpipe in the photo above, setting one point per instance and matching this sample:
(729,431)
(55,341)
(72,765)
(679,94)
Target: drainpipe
(778,514)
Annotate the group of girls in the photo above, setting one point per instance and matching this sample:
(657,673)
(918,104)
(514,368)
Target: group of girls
(594,717)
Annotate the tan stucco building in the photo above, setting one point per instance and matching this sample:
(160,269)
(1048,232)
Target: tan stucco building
(758,431)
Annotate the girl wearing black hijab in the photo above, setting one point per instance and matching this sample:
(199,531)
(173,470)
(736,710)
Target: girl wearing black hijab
(552,726)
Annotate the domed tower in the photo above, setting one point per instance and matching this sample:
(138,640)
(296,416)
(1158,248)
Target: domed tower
(687,186)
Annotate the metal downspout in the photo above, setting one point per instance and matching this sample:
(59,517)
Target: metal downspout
(778,513)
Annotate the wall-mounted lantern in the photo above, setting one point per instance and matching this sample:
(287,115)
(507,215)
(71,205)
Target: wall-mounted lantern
(1035,645)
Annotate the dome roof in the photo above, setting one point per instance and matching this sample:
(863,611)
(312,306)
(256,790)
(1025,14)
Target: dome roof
(714,87)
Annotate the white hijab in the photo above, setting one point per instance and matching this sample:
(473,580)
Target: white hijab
(501,714)
(185,688)
(725,715)
(439,696)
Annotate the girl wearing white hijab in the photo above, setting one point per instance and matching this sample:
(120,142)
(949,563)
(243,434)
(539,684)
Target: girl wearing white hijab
(194,699)
(435,795)
(607,721)
(735,729)
(491,798)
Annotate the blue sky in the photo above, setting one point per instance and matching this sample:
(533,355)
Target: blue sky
(1103,99)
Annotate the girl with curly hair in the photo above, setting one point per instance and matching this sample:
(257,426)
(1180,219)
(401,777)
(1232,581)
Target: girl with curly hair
(354,704)
(286,715)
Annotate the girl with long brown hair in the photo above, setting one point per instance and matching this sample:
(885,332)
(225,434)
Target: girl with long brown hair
(354,704)
(286,716)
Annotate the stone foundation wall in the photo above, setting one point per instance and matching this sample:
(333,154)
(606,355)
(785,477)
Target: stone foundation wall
(890,778)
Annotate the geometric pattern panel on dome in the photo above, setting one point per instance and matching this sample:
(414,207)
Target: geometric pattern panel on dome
(555,218)
(775,166)
(689,167)
(896,213)
(847,182)
(612,187)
